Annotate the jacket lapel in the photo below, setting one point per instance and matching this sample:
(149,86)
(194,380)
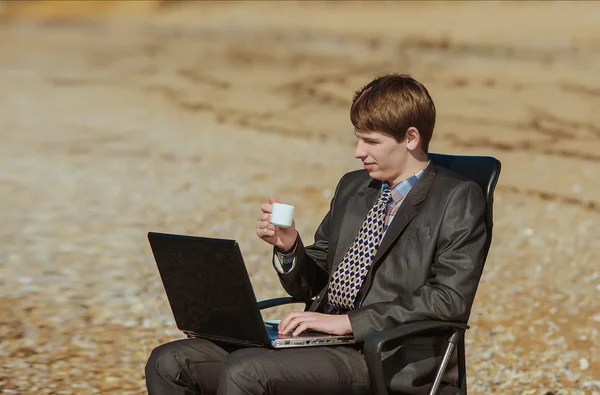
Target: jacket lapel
(359,207)
(407,210)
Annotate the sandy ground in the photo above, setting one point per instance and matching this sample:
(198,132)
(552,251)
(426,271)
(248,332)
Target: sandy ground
(117,119)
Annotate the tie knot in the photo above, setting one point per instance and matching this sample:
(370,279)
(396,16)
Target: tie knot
(386,194)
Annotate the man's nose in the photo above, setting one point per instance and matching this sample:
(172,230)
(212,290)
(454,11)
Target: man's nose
(359,152)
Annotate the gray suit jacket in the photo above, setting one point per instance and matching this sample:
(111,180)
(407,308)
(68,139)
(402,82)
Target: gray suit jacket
(427,266)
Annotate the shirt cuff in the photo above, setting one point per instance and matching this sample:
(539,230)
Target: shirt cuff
(285,262)
(283,265)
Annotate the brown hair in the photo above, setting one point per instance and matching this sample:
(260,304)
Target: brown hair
(392,104)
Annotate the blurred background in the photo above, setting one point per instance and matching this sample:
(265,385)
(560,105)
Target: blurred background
(117,118)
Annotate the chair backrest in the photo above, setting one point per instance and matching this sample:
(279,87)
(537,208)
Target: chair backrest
(484,170)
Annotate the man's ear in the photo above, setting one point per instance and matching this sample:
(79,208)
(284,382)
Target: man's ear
(413,138)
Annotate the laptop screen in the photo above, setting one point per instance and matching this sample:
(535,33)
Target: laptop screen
(208,287)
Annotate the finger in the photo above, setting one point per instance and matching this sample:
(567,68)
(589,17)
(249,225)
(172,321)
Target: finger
(268,232)
(301,328)
(266,208)
(284,324)
(264,217)
(265,229)
(288,327)
(265,225)
(300,319)
(272,200)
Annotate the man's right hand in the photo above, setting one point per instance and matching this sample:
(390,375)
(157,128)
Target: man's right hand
(282,238)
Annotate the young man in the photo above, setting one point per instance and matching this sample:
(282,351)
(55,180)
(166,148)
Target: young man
(403,241)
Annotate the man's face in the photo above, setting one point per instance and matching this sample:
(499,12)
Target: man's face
(382,156)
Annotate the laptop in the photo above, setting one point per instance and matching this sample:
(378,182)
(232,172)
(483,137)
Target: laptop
(211,295)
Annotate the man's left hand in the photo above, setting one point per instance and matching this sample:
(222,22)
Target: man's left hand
(298,322)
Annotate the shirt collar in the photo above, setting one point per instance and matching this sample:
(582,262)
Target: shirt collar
(401,189)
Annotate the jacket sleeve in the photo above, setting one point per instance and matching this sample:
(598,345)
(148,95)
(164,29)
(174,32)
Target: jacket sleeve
(455,271)
(310,272)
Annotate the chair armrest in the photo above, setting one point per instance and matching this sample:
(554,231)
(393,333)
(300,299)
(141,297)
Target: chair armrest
(266,304)
(374,344)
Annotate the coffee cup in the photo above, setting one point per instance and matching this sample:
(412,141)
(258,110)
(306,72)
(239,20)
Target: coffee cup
(282,215)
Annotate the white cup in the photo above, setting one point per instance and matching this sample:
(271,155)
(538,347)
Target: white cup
(282,215)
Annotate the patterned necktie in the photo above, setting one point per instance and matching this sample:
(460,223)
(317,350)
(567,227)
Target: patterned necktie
(351,272)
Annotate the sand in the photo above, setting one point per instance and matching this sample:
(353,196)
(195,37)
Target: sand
(119,118)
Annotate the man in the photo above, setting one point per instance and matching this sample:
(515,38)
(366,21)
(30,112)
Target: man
(403,241)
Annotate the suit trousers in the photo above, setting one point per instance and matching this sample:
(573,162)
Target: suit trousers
(198,366)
